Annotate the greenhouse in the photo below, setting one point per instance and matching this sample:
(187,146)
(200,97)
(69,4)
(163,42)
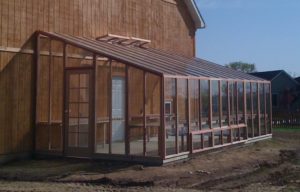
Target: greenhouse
(120,100)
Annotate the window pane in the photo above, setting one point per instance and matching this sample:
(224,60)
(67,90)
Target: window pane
(197,141)
(249,110)
(84,110)
(207,139)
(83,125)
(233,103)
(224,95)
(103,108)
(218,138)
(268,108)
(82,140)
(78,57)
(255,109)
(73,139)
(182,114)
(73,110)
(194,104)
(226,136)
(215,104)
(74,81)
(263,130)
(170,112)
(83,78)
(84,95)
(136,110)
(118,108)
(243,135)
(241,118)
(204,93)
(73,125)
(153,117)
(74,95)
(235,134)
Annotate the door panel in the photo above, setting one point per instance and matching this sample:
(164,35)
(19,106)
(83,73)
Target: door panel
(78,113)
(118,115)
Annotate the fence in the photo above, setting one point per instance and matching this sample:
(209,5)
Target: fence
(286,120)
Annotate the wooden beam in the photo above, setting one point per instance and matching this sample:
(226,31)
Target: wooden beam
(162,142)
(176,116)
(210,112)
(110,106)
(145,135)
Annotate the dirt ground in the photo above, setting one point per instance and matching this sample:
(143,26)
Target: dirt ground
(271,165)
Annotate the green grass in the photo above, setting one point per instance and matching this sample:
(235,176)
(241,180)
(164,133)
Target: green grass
(287,129)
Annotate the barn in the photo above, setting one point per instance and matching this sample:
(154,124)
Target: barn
(118,80)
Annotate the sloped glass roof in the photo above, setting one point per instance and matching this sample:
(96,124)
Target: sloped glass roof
(153,60)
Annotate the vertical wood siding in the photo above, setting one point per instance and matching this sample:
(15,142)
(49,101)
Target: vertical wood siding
(167,25)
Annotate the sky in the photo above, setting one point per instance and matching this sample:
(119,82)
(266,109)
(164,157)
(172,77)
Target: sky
(263,32)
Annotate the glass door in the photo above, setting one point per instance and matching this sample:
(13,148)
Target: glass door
(78,113)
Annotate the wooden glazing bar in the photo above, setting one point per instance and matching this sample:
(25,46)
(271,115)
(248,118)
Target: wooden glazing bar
(189,139)
(265,105)
(162,142)
(271,113)
(94,105)
(145,135)
(200,105)
(127,130)
(252,110)
(176,116)
(245,108)
(220,109)
(110,106)
(210,111)
(258,108)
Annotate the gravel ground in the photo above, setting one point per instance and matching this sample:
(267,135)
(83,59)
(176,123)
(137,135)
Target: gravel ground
(266,166)
(14,186)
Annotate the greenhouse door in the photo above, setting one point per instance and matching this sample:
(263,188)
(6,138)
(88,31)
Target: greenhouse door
(78,113)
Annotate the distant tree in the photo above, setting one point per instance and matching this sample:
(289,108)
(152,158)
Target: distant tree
(241,66)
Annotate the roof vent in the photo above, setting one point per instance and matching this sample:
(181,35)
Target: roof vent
(124,40)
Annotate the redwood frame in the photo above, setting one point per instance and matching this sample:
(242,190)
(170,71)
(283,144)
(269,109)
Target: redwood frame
(161,132)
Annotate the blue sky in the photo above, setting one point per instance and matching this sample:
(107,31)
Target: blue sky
(264,32)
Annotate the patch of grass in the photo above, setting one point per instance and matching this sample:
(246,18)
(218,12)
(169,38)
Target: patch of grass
(287,129)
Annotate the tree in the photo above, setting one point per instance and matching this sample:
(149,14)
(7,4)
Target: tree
(241,66)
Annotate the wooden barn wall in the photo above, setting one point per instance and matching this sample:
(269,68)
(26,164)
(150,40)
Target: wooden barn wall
(16,93)
(166,24)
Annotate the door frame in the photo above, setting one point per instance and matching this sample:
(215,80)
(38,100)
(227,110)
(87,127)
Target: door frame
(77,151)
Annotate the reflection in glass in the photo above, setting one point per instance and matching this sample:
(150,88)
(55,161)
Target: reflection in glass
(136,110)
(118,108)
(170,115)
(240,97)
(233,103)
(249,110)
(255,109)
(194,104)
(153,114)
(103,108)
(205,103)
(224,95)
(268,108)
(262,98)
(215,104)
(182,125)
